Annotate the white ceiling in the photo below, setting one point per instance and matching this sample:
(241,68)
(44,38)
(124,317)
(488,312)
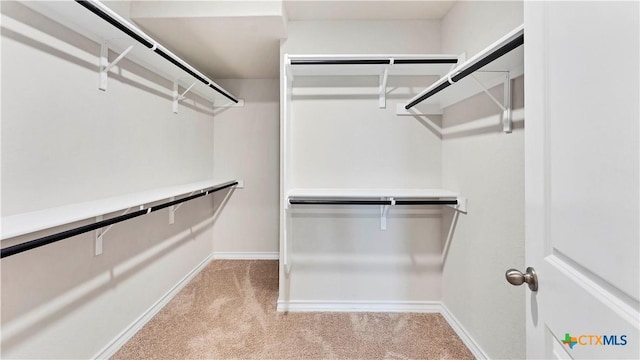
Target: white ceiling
(231,39)
(366,10)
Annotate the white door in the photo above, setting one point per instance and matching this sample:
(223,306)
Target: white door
(582,185)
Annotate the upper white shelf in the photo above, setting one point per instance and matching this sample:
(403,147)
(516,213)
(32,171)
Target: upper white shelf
(372,193)
(168,65)
(363,65)
(25,223)
(489,67)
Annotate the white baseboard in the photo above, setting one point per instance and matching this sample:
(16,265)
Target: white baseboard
(232,255)
(128,333)
(360,306)
(471,344)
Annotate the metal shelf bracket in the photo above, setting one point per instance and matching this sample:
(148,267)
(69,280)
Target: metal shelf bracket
(178,97)
(105,66)
(101,232)
(174,208)
(384,210)
(383,88)
(507,120)
(505,105)
(461,206)
(240,103)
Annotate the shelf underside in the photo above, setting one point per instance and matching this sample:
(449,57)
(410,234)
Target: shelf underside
(25,223)
(372,193)
(365,65)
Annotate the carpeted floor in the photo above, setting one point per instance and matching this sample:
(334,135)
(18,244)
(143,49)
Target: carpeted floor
(229,312)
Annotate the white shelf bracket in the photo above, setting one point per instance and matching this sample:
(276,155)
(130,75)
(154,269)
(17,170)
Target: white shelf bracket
(384,211)
(101,232)
(461,206)
(178,97)
(383,88)
(174,208)
(240,103)
(505,106)
(507,121)
(105,66)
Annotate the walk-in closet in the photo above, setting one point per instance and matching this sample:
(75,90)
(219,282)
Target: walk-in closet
(319,179)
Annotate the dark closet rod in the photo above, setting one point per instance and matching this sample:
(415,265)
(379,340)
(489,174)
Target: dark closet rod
(371,202)
(16,249)
(374,61)
(156,48)
(470,70)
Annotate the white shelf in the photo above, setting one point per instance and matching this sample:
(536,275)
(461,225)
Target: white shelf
(373,193)
(377,194)
(389,195)
(25,223)
(490,75)
(77,18)
(357,69)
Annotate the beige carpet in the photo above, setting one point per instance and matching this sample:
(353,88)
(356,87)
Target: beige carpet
(229,312)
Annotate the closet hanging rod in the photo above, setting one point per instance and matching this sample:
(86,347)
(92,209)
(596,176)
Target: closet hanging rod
(339,202)
(29,245)
(373,61)
(114,19)
(427,202)
(467,69)
(371,202)
(426,61)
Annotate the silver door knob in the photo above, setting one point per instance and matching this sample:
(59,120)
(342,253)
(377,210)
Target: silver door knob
(515,277)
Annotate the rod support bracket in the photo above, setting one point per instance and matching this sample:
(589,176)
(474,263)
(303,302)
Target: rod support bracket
(177,97)
(101,232)
(505,105)
(240,103)
(461,206)
(105,66)
(172,212)
(384,211)
(174,208)
(507,121)
(382,90)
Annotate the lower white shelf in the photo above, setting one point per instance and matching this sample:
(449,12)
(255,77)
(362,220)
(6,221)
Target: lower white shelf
(383,197)
(375,196)
(25,223)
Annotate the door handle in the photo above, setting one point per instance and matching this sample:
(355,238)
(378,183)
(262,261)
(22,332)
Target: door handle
(515,277)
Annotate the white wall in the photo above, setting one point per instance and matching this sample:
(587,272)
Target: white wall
(64,141)
(470,26)
(340,138)
(362,37)
(246,146)
(486,166)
